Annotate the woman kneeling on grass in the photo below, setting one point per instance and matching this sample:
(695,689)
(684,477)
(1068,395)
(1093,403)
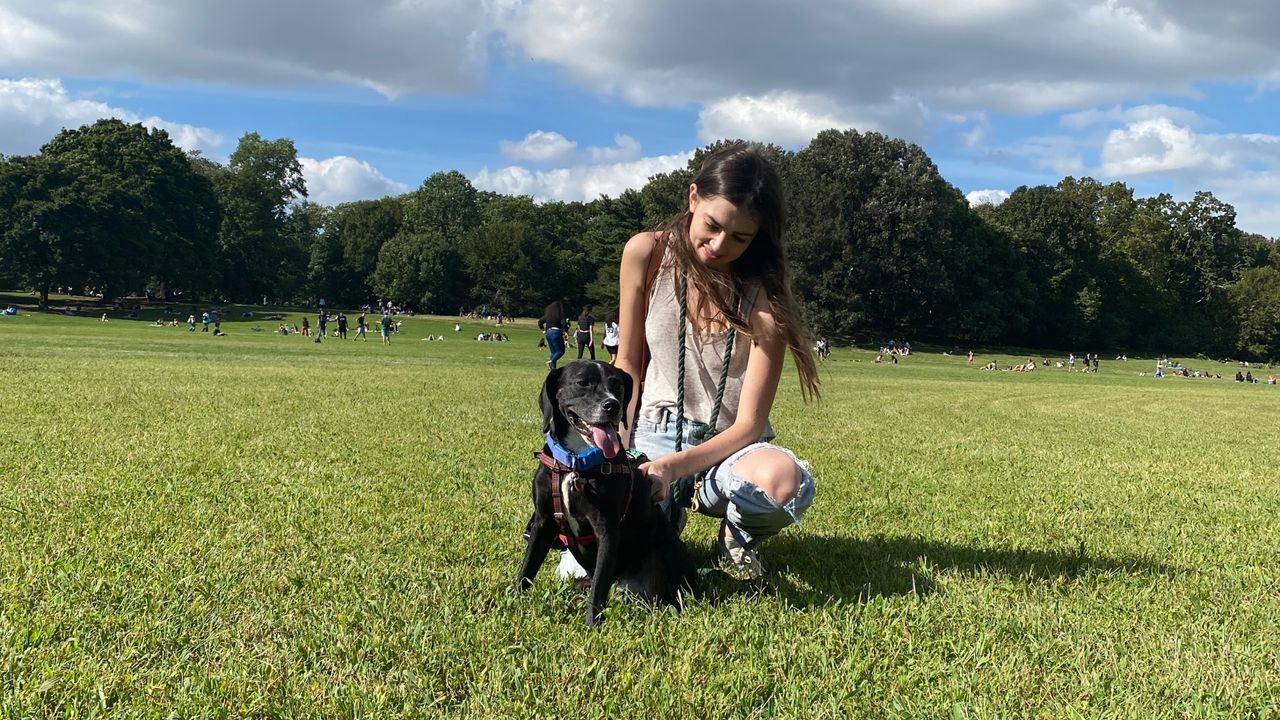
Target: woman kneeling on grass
(725,255)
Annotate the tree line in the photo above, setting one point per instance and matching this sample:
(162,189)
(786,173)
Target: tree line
(880,244)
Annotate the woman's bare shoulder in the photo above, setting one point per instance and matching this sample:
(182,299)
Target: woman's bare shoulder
(639,249)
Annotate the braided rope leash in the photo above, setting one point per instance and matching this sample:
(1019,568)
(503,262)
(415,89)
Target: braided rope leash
(707,431)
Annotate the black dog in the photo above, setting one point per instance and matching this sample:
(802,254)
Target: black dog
(582,406)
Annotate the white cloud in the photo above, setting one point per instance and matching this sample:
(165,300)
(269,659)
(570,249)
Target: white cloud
(986,197)
(787,119)
(625,148)
(392,46)
(539,146)
(187,137)
(33,110)
(1242,169)
(1150,146)
(579,182)
(343,179)
(1116,114)
(1012,56)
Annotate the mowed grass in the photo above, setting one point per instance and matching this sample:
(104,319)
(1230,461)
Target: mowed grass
(260,526)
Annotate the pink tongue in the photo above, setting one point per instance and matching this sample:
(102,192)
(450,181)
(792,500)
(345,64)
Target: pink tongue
(606,439)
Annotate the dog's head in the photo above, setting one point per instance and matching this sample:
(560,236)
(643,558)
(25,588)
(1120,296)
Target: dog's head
(584,402)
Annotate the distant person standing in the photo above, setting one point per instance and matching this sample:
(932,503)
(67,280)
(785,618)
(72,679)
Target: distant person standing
(610,340)
(970,357)
(554,324)
(387,327)
(306,327)
(204,318)
(191,323)
(362,328)
(323,318)
(342,326)
(1095,363)
(586,336)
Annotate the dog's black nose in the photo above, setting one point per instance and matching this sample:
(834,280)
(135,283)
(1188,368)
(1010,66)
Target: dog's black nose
(610,406)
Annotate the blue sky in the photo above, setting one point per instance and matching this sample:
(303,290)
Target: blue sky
(566,100)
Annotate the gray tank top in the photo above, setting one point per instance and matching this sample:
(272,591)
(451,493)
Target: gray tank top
(704,354)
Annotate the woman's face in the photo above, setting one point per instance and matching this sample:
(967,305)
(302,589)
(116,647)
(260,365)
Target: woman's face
(720,231)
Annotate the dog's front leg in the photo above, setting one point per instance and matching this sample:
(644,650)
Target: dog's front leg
(541,534)
(605,573)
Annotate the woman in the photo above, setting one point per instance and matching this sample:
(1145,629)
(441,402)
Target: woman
(610,340)
(586,337)
(725,254)
(554,324)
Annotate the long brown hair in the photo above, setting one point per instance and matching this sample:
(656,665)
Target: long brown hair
(741,174)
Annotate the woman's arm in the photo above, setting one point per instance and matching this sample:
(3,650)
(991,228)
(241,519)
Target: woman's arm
(631,304)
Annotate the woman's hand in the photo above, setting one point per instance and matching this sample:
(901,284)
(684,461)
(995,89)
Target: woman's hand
(660,473)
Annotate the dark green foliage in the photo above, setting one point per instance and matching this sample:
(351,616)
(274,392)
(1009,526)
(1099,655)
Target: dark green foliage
(113,205)
(345,256)
(1256,299)
(262,179)
(879,241)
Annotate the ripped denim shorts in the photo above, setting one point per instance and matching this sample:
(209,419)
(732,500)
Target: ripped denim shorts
(752,515)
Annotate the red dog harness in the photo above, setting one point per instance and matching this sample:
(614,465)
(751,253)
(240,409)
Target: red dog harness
(626,468)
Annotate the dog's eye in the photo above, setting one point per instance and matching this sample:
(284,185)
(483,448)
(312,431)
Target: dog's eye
(584,383)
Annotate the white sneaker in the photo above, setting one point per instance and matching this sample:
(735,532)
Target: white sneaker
(569,569)
(737,561)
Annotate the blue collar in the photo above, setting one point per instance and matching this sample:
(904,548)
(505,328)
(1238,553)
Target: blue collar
(581,462)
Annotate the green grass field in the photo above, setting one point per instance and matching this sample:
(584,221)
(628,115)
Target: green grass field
(260,526)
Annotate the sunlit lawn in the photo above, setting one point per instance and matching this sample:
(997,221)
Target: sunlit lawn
(256,525)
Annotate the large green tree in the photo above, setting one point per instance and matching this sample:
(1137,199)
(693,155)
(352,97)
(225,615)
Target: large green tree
(261,180)
(41,242)
(422,269)
(446,204)
(1255,299)
(112,204)
(873,236)
(345,255)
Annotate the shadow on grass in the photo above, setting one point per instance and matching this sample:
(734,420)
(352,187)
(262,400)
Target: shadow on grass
(843,569)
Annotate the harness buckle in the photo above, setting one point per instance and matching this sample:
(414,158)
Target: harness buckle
(606,468)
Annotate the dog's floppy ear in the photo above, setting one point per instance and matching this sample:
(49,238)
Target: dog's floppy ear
(553,421)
